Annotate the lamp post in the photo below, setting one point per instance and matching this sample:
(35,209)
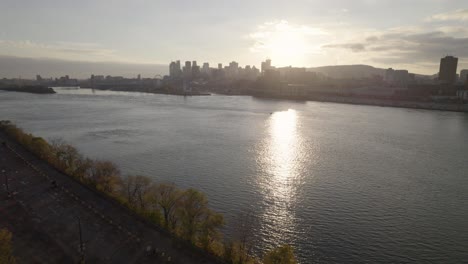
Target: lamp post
(82,255)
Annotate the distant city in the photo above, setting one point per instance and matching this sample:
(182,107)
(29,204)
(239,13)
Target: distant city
(299,83)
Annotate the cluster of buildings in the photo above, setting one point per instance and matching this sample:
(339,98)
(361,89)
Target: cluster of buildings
(284,82)
(191,71)
(392,84)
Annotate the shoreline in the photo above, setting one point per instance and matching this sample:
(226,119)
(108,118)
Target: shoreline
(152,92)
(133,230)
(34,89)
(462,108)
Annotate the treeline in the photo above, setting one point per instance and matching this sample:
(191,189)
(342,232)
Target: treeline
(38,89)
(182,212)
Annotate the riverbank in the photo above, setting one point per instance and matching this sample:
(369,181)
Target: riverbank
(171,219)
(51,211)
(36,89)
(376,102)
(152,91)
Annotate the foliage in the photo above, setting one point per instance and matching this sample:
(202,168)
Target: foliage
(165,197)
(185,213)
(280,255)
(137,191)
(105,176)
(240,249)
(6,252)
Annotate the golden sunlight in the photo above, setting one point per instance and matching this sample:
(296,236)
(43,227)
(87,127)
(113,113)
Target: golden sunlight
(288,47)
(283,149)
(287,43)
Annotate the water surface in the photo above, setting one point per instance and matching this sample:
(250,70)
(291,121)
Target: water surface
(341,183)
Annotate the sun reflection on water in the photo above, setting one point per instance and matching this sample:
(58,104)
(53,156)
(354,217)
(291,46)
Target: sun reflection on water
(280,159)
(281,151)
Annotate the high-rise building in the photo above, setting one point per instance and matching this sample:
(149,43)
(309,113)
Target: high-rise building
(266,65)
(187,71)
(174,69)
(206,68)
(448,70)
(220,66)
(464,76)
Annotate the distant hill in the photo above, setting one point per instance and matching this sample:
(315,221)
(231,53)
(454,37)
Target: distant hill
(349,71)
(27,68)
(357,71)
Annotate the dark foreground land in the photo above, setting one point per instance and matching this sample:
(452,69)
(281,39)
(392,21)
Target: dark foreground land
(37,89)
(44,219)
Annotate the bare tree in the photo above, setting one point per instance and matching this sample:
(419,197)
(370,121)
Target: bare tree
(137,189)
(166,196)
(106,176)
(244,236)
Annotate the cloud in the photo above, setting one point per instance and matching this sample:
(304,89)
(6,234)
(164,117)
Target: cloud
(92,49)
(457,15)
(59,50)
(355,47)
(407,46)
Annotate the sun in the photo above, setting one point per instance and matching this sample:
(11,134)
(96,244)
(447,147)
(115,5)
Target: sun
(287,43)
(287,48)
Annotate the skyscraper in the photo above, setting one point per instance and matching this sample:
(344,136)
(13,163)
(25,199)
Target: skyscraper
(464,76)
(206,68)
(174,69)
(266,65)
(448,70)
(195,69)
(188,70)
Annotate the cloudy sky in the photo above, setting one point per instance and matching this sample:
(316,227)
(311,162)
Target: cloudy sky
(410,34)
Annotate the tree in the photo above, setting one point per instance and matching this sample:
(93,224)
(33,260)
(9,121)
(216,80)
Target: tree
(244,237)
(64,154)
(40,147)
(210,236)
(193,207)
(137,189)
(166,196)
(105,176)
(280,255)
(6,252)
(83,167)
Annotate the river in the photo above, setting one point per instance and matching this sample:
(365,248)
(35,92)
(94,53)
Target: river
(341,183)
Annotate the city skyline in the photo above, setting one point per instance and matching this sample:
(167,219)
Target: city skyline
(383,34)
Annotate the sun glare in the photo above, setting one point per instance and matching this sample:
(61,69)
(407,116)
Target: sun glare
(287,43)
(288,47)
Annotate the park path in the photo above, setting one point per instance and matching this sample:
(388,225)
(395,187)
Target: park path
(45,219)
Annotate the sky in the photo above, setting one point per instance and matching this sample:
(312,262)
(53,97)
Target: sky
(410,34)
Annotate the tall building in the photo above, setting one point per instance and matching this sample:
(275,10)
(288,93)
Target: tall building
(174,69)
(464,76)
(195,69)
(206,68)
(220,66)
(448,70)
(266,65)
(187,71)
